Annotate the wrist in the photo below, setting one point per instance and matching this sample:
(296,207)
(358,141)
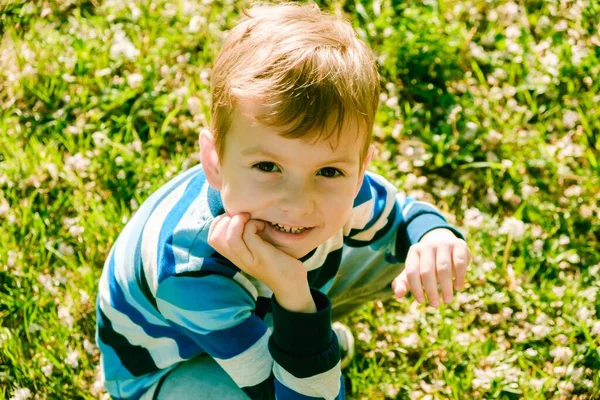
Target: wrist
(296,299)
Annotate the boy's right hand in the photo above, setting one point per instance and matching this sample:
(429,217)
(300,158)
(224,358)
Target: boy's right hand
(236,238)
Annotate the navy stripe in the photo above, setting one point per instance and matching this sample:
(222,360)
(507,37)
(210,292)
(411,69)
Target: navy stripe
(263,306)
(320,276)
(136,359)
(230,342)
(187,347)
(140,276)
(166,257)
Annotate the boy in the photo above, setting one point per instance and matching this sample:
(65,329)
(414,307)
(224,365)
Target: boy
(224,282)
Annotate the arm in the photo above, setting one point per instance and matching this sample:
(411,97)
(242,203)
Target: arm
(384,218)
(299,359)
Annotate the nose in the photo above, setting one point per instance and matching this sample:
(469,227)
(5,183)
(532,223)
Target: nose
(297,199)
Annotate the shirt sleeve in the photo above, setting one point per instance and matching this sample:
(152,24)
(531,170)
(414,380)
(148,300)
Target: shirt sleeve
(384,218)
(299,359)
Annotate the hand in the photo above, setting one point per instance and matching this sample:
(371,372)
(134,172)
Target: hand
(439,256)
(236,238)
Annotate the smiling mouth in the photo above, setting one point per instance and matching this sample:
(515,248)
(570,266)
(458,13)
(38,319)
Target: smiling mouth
(288,229)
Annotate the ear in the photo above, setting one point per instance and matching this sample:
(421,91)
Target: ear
(364,166)
(209,157)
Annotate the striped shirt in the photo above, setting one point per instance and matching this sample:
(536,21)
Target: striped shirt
(166,296)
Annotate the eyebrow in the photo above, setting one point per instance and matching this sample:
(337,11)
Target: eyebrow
(257,150)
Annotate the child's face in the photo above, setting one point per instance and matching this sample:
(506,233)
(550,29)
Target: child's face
(294,183)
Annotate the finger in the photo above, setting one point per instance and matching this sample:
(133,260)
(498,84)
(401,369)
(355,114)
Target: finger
(411,268)
(443,261)
(428,276)
(250,236)
(217,231)
(235,231)
(461,257)
(400,285)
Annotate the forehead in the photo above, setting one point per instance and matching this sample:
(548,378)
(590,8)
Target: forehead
(247,129)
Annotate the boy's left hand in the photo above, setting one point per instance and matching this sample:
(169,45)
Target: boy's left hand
(439,256)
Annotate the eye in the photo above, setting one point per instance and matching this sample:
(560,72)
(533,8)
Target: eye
(266,166)
(330,172)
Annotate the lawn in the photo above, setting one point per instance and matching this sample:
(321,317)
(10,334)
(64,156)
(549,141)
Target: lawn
(488,109)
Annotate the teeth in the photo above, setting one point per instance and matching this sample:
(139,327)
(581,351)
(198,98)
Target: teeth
(287,229)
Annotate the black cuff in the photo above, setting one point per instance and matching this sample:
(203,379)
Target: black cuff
(303,334)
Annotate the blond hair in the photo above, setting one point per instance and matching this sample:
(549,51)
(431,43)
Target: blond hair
(306,68)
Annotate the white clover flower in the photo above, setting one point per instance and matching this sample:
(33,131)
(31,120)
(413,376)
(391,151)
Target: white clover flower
(196,23)
(65,249)
(89,347)
(411,340)
(47,369)
(512,32)
(473,218)
(72,359)
(4,208)
(122,46)
(531,352)
(562,354)
(570,119)
(64,314)
(102,72)
(194,105)
(513,227)
(510,9)
(596,329)
(134,80)
(21,394)
(77,162)
(76,230)
(537,384)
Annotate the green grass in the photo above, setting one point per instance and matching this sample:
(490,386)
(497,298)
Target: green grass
(489,110)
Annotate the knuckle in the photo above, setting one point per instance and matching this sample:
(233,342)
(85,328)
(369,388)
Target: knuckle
(443,267)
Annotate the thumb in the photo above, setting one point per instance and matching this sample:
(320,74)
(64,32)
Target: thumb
(400,285)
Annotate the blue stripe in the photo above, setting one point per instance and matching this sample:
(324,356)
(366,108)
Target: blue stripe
(364,193)
(380,194)
(187,347)
(165,256)
(230,342)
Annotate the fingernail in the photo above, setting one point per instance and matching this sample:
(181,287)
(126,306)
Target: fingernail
(435,303)
(448,299)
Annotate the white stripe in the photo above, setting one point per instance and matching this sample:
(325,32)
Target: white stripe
(333,243)
(370,233)
(360,216)
(152,232)
(164,351)
(251,367)
(246,284)
(325,385)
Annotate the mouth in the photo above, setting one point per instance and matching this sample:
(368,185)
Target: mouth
(289,229)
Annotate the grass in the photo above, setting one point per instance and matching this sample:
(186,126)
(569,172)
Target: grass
(489,110)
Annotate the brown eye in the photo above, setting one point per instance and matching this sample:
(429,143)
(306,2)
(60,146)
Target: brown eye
(330,172)
(266,166)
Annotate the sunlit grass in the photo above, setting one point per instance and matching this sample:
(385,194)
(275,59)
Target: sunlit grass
(487,110)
